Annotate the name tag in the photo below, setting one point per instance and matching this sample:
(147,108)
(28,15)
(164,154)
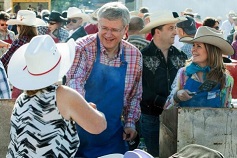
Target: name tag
(211,95)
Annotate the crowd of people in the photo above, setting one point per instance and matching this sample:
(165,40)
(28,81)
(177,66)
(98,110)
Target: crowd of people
(86,85)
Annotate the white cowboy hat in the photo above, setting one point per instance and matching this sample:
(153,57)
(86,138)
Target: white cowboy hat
(231,14)
(137,153)
(211,36)
(74,12)
(162,18)
(28,18)
(40,63)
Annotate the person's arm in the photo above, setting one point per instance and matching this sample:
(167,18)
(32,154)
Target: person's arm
(5,92)
(132,110)
(5,58)
(176,85)
(4,44)
(73,106)
(227,91)
(76,76)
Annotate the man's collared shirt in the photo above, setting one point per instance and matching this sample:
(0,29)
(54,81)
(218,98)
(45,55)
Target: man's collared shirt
(62,33)
(83,63)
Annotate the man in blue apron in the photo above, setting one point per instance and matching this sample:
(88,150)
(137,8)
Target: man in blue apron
(107,71)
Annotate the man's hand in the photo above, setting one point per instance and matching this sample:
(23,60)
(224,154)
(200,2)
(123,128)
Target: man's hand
(92,105)
(129,134)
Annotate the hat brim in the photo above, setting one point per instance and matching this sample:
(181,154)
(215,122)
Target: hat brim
(190,13)
(22,79)
(219,42)
(60,19)
(38,22)
(163,21)
(85,17)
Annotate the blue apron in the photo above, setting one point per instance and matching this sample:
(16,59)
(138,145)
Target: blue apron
(202,99)
(105,87)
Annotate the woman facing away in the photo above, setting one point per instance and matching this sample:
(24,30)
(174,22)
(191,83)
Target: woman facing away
(206,64)
(26,22)
(44,116)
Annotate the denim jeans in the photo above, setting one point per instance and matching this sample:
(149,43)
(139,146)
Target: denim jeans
(149,130)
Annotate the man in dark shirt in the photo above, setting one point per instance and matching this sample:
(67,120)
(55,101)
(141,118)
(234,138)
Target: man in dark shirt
(161,62)
(75,22)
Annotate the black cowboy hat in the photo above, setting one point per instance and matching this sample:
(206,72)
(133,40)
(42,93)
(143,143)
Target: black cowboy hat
(55,16)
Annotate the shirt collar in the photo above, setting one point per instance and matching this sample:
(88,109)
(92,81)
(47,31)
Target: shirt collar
(103,50)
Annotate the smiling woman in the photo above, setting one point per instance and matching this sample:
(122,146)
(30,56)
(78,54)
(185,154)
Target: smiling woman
(206,64)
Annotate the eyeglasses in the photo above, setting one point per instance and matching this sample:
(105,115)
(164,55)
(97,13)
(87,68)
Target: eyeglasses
(4,25)
(52,23)
(113,30)
(71,20)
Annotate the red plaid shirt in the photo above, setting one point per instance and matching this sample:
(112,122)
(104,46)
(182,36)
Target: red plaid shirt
(5,58)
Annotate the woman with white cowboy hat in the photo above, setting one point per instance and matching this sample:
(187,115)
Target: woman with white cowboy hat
(26,22)
(206,64)
(44,116)
(55,27)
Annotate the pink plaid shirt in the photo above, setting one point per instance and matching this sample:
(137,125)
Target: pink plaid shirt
(85,55)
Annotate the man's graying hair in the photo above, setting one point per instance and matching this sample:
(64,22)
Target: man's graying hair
(114,11)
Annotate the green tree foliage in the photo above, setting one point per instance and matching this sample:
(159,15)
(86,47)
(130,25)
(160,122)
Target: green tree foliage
(60,5)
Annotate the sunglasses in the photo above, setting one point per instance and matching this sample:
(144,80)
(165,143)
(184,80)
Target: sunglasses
(52,23)
(71,20)
(4,25)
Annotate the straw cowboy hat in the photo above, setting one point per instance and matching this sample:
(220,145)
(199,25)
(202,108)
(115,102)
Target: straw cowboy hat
(40,63)
(162,18)
(211,36)
(189,11)
(94,17)
(74,12)
(195,150)
(26,17)
(55,16)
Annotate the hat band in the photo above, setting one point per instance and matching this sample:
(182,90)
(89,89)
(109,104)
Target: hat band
(46,71)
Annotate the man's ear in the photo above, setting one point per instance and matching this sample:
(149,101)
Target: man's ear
(126,28)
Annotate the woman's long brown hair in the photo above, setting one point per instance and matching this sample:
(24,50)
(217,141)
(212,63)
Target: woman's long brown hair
(215,61)
(29,31)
